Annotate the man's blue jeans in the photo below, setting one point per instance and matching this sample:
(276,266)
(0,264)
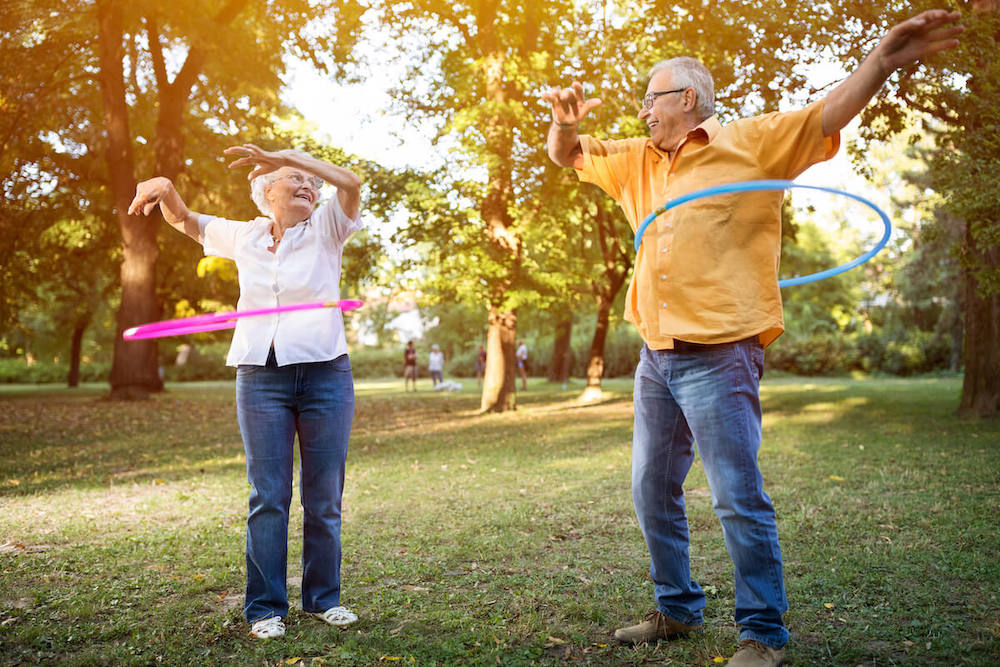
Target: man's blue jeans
(708,394)
(315,400)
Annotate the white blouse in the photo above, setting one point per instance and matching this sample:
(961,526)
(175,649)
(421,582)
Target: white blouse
(305,268)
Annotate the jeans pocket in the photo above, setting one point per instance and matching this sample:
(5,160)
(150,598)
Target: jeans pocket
(341,364)
(243,370)
(757,356)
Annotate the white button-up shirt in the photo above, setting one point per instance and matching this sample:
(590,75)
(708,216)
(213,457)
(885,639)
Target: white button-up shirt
(305,268)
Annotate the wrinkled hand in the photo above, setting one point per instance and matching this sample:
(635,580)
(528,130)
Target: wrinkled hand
(263,161)
(568,104)
(918,37)
(148,194)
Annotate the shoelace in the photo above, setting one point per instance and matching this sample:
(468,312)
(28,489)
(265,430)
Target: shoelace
(761,649)
(659,621)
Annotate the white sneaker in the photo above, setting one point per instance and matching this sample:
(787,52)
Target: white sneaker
(268,628)
(338,616)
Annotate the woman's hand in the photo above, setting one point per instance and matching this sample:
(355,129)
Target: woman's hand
(263,161)
(160,191)
(148,194)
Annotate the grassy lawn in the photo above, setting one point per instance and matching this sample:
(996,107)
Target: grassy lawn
(497,539)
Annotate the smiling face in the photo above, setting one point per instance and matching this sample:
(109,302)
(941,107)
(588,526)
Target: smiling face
(293,195)
(671,116)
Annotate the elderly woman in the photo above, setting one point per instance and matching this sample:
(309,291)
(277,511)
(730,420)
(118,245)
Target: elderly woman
(293,374)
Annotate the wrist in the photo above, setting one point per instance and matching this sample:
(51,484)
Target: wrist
(564,126)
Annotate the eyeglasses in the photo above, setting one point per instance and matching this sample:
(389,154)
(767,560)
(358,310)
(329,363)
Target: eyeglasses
(650,98)
(299,180)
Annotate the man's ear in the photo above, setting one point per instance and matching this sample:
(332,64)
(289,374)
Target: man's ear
(690,99)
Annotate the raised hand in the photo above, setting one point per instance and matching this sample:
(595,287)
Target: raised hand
(568,104)
(262,161)
(917,38)
(148,194)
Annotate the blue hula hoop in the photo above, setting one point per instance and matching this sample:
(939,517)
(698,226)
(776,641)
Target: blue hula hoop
(749,186)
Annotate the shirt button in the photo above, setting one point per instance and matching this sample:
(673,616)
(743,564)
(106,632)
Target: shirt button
(663,305)
(275,287)
(664,250)
(663,276)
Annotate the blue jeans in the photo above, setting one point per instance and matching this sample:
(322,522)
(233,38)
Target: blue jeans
(708,394)
(315,400)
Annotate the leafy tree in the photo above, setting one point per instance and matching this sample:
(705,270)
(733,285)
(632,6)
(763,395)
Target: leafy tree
(962,92)
(147,87)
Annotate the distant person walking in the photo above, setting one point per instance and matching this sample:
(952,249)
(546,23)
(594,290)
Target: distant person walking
(435,364)
(522,363)
(409,367)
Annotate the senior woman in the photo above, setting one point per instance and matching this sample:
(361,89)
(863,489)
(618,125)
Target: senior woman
(293,374)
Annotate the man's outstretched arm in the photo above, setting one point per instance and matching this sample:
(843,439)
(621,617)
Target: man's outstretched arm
(907,42)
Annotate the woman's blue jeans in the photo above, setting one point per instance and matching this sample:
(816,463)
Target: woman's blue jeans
(708,394)
(315,400)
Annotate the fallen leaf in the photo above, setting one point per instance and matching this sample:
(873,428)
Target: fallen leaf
(838,478)
(828,605)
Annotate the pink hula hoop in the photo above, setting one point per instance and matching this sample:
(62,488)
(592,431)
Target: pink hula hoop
(226,320)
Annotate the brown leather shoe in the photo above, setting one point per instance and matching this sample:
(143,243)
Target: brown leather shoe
(654,626)
(752,653)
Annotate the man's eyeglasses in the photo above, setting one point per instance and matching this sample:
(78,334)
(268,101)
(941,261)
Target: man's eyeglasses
(647,101)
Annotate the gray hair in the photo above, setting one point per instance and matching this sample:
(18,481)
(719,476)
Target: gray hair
(690,73)
(259,186)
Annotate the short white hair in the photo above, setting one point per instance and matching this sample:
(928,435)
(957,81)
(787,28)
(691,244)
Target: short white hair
(259,186)
(690,73)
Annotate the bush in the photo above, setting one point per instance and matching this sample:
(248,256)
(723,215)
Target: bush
(898,353)
(373,362)
(16,370)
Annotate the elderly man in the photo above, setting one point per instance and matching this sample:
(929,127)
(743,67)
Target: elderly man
(704,296)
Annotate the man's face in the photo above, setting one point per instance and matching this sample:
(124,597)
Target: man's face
(666,117)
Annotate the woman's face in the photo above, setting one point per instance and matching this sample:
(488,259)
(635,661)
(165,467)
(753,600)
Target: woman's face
(293,195)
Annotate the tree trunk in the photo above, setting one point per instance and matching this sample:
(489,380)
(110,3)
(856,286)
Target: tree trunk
(981,384)
(560,360)
(595,360)
(75,346)
(134,369)
(616,263)
(499,383)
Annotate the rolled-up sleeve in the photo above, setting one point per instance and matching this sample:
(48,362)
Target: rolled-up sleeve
(610,165)
(332,221)
(788,143)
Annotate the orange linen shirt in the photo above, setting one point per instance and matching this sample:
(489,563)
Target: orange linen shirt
(707,271)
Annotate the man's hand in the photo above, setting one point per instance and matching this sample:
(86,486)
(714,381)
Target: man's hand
(917,38)
(148,194)
(907,42)
(568,105)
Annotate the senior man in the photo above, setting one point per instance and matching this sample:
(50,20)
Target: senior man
(704,296)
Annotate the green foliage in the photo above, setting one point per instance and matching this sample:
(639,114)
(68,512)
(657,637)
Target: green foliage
(44,372)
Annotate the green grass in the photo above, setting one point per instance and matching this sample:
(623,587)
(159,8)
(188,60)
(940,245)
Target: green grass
(492,539)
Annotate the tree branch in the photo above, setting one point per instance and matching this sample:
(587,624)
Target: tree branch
(156,51)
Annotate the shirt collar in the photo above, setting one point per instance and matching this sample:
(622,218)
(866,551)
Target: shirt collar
(293,235)
(708,129)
